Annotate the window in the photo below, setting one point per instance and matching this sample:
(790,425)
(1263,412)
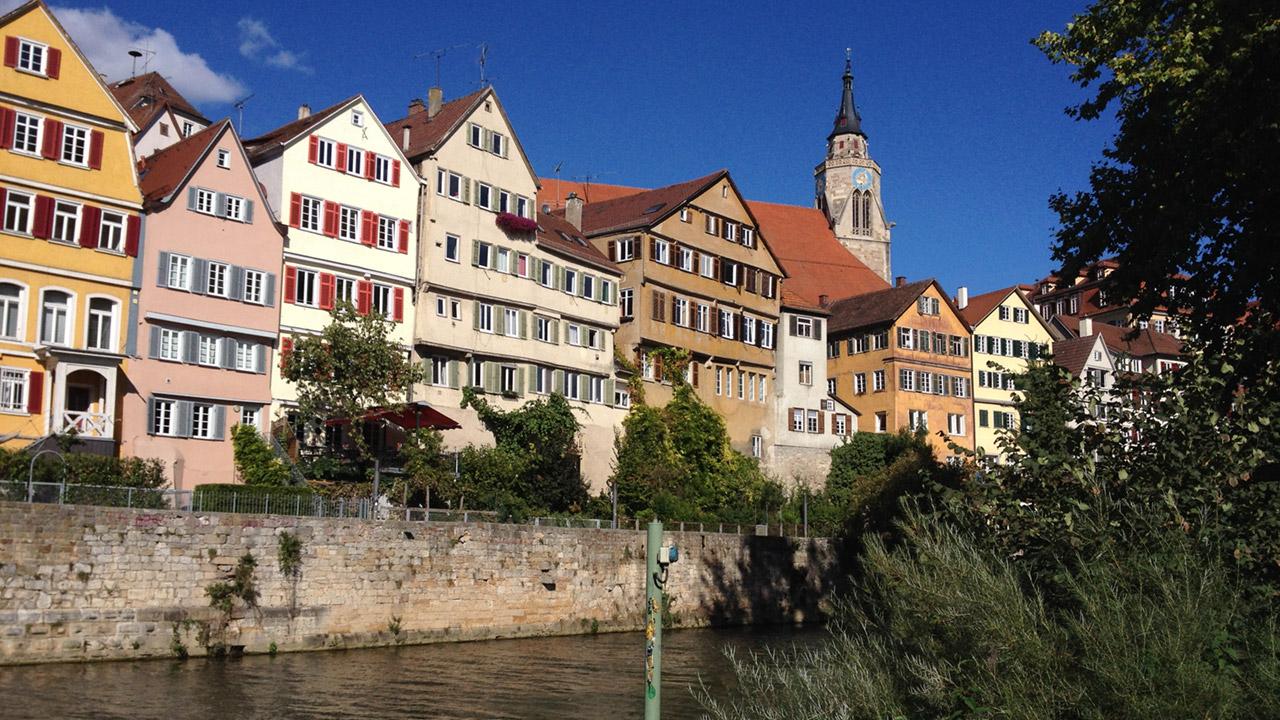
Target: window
(477,373)
(748,237)
(387,233)
(497,144)
(507,379)
(102,324)
(484,195)
(75,145)
(703,319)
(595,389)
(546,272)
(511,322)
(207,353)
(812,420)
(542,380)
(451,244)
(766,334)
(202,421)
(218,281)
(929,306)
(730,231)
(684,214)
(484,253)
(382,300)
(918,419)
(841,422)
(17,213)
(574,334)
(325,152)
(349,224)
(749,330)
(1005,312)
(449,184)
(860,383)
(309,218)
(442,307)
(606,291)
(55,318)
(570,281)
(355,161)
(742,377)
(224,161)
(504,201)
(797,420)
(757,446)
(708,268)
(187,128)
(31,56)
(13,390)
(719,381)
(163,418)
(727,324)
(803,327)
(595,339)
(484,317)
(684,258)
(626,302)
(522,265)
(251,415)
(571,385)
(588,286)
(26,135)
(170,345)
(924,382)
(246,356)
(955,424)
(542,329)
(1020,315)
(907,380)
(233,208)
(621,396)
(729,272)
(206,201)
(906,338)
(662,252)
(882,422)
(625,248)
(254,290)
(440,371)
(680,312)
(66,222)
(712,226)
(522,206)
(831,386)
(760,383)
(382,169)
(305,293)
(806,373)
(11,314)
(877,380)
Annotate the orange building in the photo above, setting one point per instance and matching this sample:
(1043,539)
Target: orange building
(901,357)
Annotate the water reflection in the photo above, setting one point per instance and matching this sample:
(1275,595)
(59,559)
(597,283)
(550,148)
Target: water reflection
(574,677)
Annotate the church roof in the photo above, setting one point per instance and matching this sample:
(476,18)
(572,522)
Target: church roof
(848,121)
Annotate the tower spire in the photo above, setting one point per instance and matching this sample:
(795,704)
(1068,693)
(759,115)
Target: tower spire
(847,118)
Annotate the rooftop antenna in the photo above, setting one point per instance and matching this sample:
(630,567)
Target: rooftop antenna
(239,106)
(146,54)
(135,54)
(484,52)
(557,174)
(437,55)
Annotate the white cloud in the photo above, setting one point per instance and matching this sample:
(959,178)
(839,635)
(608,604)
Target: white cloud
(105,38)
(256,43)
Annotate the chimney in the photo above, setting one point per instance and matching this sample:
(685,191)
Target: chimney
(824,300)
(404,138)
(1086,327)
(435,98)
(962,297)
(900,281)
(416,106)
(304,111)
(573,210)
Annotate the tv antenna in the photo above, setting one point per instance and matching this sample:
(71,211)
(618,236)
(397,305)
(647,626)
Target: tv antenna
(143,53)
(484,53)
(438,55)
(239,106)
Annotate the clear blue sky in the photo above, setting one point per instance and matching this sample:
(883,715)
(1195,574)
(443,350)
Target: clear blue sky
(963,114)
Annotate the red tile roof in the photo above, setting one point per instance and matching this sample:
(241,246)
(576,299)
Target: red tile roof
(1136,343)
(642,209)
(549,237)
(876,308)
(427,133)
(814,260)
(980,306)
(163,173)
(1073,354)
(148,95)
(554,191)
(264,145)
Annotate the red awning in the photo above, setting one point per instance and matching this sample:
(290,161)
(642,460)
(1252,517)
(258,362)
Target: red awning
(412,416)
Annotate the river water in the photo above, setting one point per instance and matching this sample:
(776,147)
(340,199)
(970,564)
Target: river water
(592,676)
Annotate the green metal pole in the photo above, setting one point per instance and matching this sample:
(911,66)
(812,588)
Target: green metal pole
(653,625)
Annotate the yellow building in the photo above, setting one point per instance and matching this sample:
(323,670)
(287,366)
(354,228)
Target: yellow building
(69,233)
(1007,332)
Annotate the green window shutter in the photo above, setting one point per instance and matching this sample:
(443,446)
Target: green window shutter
(559,278)
(520,380)
(533,378)
(466,190)
(475,314)
(555,331)
(557,381)
(453,373)
(610,386)
(491,371)
(582,387)
(499,319)
(524,325)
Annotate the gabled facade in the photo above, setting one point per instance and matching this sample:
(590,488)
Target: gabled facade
(1084,297)
(515,304)
(350,201)
(1007,333)
(901,357)
(1087,359)
(1134,350)
(160,113)
(203,335)
(69,222)
(698,275)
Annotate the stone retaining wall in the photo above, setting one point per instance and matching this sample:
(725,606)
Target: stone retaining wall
(88,583)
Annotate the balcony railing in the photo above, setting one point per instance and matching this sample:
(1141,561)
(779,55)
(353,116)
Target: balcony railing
(87,424)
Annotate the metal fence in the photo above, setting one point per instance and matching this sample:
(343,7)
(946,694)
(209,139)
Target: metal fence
(261,503)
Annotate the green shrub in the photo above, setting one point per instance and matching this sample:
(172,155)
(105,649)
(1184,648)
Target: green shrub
(256,463)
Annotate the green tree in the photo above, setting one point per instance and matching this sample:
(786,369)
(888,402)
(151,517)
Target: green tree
(1186,186)
(256,463)
(352,366)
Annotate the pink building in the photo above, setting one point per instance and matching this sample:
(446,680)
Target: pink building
(202,334)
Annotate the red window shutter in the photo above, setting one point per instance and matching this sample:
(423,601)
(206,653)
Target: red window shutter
(35,392)
(295,209)
(132,233)
(364,297)
(89,218)
(327,285)
(330,219)
(395,173)
(369,160)
(95,150)
(368,227)
(313,149)
(43,226)
(404,236)
(397,309)
(286,348)
(52,140)
(342,158)
(53,64)
(290,284)
(11,51)
(8,124)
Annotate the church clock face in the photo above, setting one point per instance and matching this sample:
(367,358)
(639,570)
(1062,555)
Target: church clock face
(862,179)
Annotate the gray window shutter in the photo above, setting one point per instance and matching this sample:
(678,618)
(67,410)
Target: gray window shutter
(154,341)
(237,282)
(260,358)
(219,420)
(520,380)
(475,315)
(220,205)
(499,319)
(162,277)
(151,415)
(533,377)
(184,418)
(269,290)
(491,371)
(227,353)
(475,253)
(199,275)
(466,190)
(555,331)
(248,211)
(582,387)
(453,373)
(524,325)
(610,387)
(192,192)
(557,381)
(190,346)
(817,328)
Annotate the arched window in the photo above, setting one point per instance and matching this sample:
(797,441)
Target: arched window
(102,324)
(866,211)
(11,311)
(55,318)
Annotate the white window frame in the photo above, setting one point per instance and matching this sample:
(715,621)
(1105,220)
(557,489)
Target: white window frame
(94,323)
(626,302)
(170,345)
(203,417)
(382,169)
(22,208)
(662,251)
(381,300)
(355,161)
(166,412)
(246,358)
(14,385)
(452,248)
(33,57)
(207,347)
(75,146)
(326,153)
(311,215)
(217,280)
(485,319)
(349,223)
(66,222)
(511,322)
(387,228)
(233,207)
(806,372)
(17,306)
(307,288)
(224,159)
(65,338)
(28,134)
(254,287)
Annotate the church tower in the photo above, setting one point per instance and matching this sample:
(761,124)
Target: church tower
(847,187)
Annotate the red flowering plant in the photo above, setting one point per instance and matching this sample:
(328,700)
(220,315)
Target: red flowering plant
(516,224)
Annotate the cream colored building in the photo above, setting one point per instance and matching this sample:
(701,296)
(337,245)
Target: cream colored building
(350,200)
(514,304)
(1007,333)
